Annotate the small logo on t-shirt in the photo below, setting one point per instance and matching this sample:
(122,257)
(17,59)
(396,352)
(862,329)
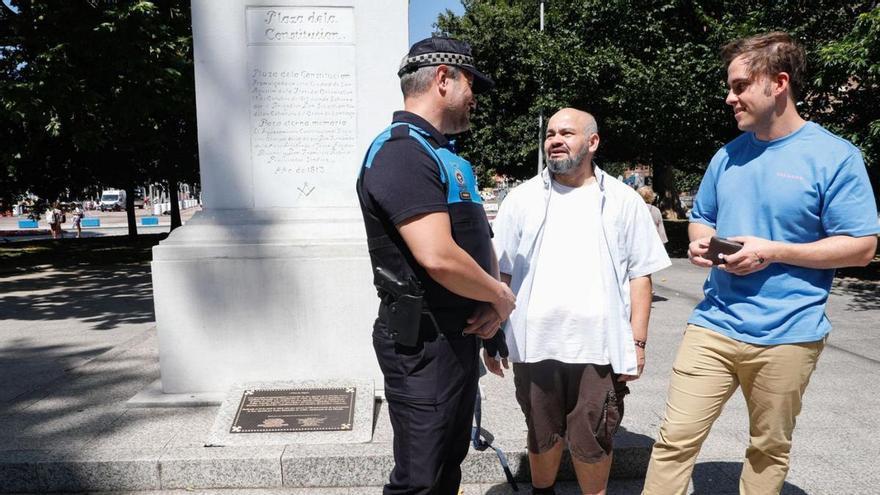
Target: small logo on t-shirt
(788,176)
(465,195)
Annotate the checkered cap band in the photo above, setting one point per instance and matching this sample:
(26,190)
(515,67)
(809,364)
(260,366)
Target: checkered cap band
(436,58)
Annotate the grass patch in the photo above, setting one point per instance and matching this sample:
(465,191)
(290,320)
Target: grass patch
(97,251)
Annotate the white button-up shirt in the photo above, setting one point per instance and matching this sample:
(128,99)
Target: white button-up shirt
(632,249)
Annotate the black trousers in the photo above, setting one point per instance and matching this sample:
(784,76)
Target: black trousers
(430,390)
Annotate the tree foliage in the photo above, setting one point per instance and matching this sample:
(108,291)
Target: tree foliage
(849,73)
(649,71)
(99,92)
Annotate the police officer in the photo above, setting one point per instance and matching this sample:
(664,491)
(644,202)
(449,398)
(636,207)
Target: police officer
(428,232)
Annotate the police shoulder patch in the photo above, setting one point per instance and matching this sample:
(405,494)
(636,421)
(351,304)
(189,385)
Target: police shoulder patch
(459,177)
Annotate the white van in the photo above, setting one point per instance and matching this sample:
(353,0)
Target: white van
(113,200)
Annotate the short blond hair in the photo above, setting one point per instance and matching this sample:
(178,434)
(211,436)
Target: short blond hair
(647,194)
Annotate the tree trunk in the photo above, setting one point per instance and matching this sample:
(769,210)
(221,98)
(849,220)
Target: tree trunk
(129,210)
(664,186)
(175,206)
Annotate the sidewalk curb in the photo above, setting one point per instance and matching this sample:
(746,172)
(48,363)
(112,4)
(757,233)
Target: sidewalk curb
(292,466)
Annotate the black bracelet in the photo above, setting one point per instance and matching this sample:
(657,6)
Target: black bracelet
(641,343)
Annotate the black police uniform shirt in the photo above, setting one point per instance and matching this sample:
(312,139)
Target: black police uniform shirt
(401,178)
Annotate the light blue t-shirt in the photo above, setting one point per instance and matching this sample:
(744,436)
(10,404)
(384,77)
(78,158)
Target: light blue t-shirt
(800,188)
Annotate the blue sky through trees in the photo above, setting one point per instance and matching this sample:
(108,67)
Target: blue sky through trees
(423,15)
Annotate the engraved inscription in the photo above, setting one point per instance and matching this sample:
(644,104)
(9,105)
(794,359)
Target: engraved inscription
(270,25)
(305,189)
(303,109)
(302,121)
(289,410)
(316,26)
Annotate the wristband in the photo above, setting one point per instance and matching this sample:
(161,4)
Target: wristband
(641,343)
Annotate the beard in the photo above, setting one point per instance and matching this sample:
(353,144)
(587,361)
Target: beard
(460,123)
(566,166)
(459,119)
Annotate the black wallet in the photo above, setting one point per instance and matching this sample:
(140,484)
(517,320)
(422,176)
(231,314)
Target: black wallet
(719,246)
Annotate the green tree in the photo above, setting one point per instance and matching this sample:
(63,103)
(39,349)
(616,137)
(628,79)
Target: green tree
(35,153)
(849,74)
(640,67)
(95,86)
(648,70)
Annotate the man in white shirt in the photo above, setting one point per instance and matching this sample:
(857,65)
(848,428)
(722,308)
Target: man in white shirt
(578,248)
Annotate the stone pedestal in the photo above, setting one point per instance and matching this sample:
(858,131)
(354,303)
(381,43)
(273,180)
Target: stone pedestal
(272,281)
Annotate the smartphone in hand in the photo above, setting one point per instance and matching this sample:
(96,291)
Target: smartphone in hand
(719,246)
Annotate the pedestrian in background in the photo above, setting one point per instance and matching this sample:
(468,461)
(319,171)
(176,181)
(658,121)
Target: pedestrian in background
(647,194)
(53,217)
(78,214)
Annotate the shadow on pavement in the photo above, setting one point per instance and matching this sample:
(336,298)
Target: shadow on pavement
(864,293)
(59,385)
(709,478)
(26,256)
(722,478)
(61,396)
(626,473)
(104,297)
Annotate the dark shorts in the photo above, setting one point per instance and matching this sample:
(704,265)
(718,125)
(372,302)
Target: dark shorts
(582,403)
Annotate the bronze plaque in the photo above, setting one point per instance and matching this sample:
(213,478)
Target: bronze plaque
(295,409)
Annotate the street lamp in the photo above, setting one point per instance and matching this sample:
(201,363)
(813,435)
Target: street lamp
(541,113)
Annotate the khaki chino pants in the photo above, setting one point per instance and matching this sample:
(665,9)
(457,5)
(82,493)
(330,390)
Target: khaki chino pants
(707,370)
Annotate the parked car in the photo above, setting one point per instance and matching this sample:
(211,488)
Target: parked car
(112,200)
(139,200)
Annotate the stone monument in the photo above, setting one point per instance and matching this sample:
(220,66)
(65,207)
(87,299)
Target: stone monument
(272,281)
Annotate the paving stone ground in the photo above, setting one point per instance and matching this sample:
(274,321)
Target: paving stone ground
(77,343)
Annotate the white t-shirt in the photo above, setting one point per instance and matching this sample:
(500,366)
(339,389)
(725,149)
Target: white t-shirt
(630,248)
(567,316)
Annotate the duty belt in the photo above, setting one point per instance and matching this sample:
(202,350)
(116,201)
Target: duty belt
(449,325)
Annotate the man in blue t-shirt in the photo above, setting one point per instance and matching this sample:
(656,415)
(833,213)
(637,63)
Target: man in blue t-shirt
(798,199)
